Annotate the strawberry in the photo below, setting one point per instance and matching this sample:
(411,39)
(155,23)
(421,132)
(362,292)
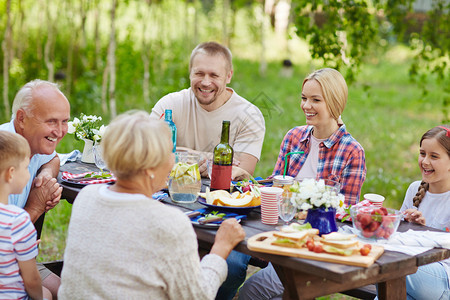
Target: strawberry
(388,221)
(384,211)
(374,226)
(364,219)
(387,234)
(367,233)
(380,233)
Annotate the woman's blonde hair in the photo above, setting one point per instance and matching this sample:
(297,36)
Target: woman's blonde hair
(14,148)
(334,89)
(133,143)
(442,135)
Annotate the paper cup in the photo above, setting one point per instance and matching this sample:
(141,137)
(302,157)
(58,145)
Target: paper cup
(269,204)
(375,199)
(281,181)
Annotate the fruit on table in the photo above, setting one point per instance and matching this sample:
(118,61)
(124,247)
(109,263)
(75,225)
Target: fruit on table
(223,198)
(376,223)
(184,173)
(365,250)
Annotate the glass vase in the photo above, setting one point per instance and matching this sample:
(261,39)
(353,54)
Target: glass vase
(323,219)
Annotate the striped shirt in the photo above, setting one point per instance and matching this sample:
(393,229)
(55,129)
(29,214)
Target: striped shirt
(341,158)
(17,243)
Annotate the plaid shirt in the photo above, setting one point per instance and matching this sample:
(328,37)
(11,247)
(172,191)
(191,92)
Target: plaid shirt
(341,158)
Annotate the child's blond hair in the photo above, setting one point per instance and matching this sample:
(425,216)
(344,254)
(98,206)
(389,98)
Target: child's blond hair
(13,149)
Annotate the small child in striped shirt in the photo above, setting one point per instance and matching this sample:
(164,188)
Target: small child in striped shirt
(19,277)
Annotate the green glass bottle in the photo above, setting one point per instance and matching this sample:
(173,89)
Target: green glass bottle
(223,161)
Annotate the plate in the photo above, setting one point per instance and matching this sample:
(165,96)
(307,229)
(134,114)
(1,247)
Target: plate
(78,184)
(238,210)
(72,183)
(208,225)
(204,211)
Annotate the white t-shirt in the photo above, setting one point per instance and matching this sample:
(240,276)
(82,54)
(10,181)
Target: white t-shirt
(200,130)
(436,210)
(434,207)
(309,169)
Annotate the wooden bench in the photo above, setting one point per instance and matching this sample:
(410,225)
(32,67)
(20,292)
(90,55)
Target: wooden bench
(368,292)
(54,266)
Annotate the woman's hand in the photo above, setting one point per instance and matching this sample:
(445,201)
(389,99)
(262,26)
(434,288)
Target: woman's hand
(230,233)
(414,215)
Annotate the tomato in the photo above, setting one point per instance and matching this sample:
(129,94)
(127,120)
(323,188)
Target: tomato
(310,245)
(364,250)
(318,248)
(368,246)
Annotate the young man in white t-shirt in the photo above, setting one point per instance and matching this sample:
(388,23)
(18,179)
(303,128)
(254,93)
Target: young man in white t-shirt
(198,111)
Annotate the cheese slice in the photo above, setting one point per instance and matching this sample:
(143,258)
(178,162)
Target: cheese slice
(294,236)
(340,244)
(337,236)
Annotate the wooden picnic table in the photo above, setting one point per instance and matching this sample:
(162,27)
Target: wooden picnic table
(305,278)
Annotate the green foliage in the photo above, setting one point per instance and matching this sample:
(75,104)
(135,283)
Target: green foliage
(342,33)
(338,32)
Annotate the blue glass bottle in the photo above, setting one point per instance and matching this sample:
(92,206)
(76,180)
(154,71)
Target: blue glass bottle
(173,128)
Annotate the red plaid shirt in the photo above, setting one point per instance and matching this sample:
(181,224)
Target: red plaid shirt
(341,158)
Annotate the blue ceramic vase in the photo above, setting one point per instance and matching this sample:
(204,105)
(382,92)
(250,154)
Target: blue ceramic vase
(323,219)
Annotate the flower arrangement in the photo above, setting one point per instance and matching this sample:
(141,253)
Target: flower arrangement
(87,127)
(310,193)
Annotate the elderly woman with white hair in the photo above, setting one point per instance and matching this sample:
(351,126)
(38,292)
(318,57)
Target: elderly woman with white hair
(122,244)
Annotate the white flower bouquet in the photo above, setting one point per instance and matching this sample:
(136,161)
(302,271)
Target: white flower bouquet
(87,127)
(310,193)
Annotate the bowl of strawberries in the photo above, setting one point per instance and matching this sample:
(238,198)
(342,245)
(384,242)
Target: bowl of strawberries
(375,222)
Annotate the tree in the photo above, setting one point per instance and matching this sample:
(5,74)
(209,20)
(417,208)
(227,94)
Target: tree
(7,57)
(109,73)
(342,33)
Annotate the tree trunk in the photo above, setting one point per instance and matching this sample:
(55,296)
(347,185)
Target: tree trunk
(6,47)
(72,43)
(196,8)
(84,7)
(41,16)
(49,45)
(105,88)
(21,32)
(263,63)
(112,62)
(145,55)
(98,60)
(226,8)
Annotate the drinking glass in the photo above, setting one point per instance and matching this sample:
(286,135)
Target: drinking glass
(287,207)
(184,180)
(98,159)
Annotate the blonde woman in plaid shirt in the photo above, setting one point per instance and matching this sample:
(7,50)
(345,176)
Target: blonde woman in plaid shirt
(330,152)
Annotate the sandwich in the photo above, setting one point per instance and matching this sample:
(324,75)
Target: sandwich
(339,243)
(291,239)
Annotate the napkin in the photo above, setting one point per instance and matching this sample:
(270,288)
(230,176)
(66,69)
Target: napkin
(410,242)
(159,196)
(65,157)
(68,175)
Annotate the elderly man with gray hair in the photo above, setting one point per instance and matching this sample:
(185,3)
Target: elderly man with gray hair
(40,114)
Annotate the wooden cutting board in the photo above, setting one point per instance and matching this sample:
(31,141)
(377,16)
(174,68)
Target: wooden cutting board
(262,243)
